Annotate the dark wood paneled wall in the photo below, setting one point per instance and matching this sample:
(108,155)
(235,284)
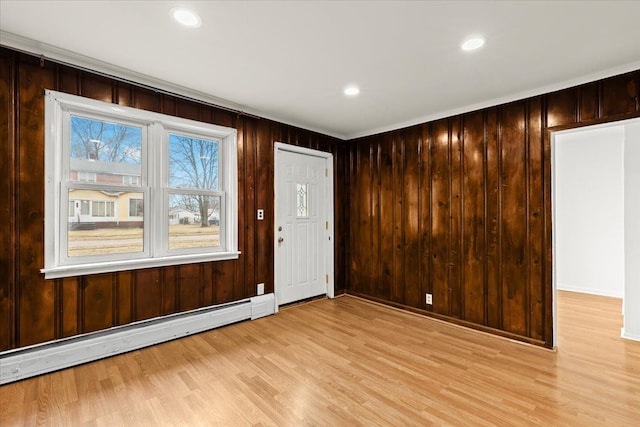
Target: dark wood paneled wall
(461,208)
(34,310)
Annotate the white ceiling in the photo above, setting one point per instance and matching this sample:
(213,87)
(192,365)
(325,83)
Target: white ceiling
(290,61)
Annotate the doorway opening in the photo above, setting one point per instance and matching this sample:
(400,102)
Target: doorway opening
(595,226)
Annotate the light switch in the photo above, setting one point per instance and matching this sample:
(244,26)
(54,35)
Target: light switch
(260,214)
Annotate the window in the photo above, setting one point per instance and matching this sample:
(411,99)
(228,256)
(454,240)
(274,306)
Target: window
(86,176)
(302,201)
(102,209)
(128,189)
(136,207)
(130,180)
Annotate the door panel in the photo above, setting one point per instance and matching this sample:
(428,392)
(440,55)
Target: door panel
(301,234)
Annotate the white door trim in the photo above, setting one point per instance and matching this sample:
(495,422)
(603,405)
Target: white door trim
(329,243)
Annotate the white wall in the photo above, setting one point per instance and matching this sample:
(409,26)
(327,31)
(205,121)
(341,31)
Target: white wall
(632,231)
(589,211)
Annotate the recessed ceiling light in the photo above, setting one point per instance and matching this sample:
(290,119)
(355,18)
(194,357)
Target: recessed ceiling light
(186,17)
(351,90)
(472,43)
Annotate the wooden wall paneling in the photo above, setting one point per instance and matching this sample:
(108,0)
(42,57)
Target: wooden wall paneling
(187,109)
(368,220)
(291,135)
(168,105)
(319,142)
(440,225)
(514,220)
(205,113)
(190,286)
(310,140)
(251,141)
(325,144)
(208,283)
(386,219)
(36,296)
(356,195)
(562,107)
(247,269)
(68,80)
(588,102)
(69,306)
(493,292)
(224,273)
(124,94)
(547,265)
(264,267)
(377,193)
(397,254)
(456,285)
(474,219)
(171,289)
(223,118)
(125,298)
(147,301)
(424,215)
(411,217)
(96,87)
(373,213)
(361,220)
(338,197)
(637,73)
(7,201)
(244,137)
(619,95)
(46,310)
(145,99)
(98,302)
(303,140)
(535,188)
(341,233)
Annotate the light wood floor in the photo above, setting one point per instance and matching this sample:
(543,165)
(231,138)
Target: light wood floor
(350,362)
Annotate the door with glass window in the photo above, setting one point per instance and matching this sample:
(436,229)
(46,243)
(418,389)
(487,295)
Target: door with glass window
(302,226)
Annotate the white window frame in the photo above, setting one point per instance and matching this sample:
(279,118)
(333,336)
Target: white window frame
(153,185)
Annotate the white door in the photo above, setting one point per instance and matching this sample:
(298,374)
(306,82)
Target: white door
(303,229)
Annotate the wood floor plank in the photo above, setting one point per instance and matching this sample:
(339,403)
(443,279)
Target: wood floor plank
(354,363)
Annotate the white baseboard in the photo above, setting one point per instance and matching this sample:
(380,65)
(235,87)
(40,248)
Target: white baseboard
(591,291)
(36,360)
(629,336)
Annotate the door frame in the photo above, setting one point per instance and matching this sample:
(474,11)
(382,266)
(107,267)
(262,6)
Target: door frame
(329,242)
(550,136)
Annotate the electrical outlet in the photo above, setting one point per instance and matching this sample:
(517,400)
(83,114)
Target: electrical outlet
(429,299)
(260,290)
(260,214)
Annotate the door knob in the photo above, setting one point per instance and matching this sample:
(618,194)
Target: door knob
(280,240)
(280,228)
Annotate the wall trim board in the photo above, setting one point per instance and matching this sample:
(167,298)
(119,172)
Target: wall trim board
(629,336)
(24,363)
(590,291)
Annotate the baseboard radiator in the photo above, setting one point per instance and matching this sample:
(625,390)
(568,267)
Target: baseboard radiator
(40,359)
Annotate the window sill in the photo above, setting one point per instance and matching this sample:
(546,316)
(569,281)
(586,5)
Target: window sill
(113,266)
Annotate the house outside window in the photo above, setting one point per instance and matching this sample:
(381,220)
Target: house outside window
(117,178)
